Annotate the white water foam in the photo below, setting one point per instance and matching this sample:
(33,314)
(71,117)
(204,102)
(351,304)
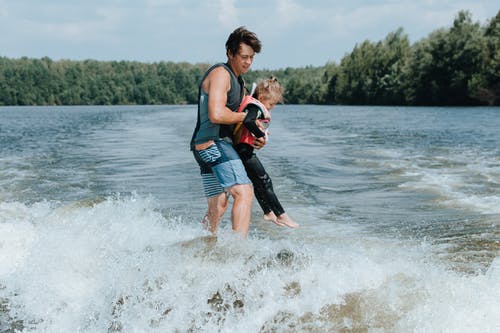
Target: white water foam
(453,190)
(462,181)
(120,265)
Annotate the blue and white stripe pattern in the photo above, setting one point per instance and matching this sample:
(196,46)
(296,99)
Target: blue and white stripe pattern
(211,185)
(225,166)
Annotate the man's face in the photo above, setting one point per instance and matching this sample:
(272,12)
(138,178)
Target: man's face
(243,59)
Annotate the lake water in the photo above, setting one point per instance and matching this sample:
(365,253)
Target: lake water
(399,211)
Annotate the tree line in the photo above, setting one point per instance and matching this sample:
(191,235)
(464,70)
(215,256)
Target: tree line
(459,65)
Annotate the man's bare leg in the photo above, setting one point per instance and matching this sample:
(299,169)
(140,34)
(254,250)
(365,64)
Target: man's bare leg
(242,207)
(217,206)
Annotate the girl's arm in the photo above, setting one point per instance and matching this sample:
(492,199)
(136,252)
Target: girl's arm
(250,121)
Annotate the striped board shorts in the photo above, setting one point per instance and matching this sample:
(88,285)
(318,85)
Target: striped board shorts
(220,167)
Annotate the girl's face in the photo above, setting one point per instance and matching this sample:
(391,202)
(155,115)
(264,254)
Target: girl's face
(268,102)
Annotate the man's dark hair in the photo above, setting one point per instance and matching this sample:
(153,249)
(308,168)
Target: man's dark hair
(242,35)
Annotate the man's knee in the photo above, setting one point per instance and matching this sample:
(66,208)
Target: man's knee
(223,202)
(217,205)
(242,191)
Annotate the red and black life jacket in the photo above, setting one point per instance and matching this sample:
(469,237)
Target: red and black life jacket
(241,133)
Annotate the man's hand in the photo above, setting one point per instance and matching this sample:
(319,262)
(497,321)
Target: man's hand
(259,142)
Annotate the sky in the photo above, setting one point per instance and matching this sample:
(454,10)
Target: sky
(294,33)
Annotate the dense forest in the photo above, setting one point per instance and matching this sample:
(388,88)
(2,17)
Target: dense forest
(458,65)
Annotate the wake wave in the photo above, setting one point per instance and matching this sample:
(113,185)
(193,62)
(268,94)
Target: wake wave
(122,264)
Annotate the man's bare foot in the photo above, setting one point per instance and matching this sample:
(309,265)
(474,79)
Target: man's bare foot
(205,222)
(272,217)
(286,220)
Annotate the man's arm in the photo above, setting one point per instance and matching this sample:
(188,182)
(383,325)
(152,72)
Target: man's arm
(217,84)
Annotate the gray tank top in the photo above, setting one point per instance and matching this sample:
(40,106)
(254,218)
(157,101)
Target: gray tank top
(206,130)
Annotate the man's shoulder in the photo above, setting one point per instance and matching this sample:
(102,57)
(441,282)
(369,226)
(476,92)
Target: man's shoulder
(218,69)
(218,73)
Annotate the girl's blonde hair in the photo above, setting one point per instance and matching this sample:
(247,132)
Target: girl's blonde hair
(269,89)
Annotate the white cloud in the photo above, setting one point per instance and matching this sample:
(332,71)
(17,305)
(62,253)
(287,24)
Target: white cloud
(101,24)
(288,13)
(3,9)
(228,14)
(294,32)
(161,3)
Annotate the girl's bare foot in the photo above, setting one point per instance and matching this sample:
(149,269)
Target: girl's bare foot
(269,216)
(272,217)
(286,220)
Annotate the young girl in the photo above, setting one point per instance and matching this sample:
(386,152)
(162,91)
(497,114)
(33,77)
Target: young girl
(257,105)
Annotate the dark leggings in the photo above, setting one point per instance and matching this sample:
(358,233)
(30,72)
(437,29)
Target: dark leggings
(262,184)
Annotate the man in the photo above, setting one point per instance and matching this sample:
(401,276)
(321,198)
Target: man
(220,93)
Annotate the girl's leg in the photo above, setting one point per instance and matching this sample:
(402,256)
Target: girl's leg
(264,192)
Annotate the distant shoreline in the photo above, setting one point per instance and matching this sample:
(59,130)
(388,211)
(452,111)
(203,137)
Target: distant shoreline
(451,67)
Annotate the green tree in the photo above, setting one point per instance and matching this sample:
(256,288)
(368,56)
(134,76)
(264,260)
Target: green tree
(330,78)
(372,72)
(459,65)
(440,67)
(485,85)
